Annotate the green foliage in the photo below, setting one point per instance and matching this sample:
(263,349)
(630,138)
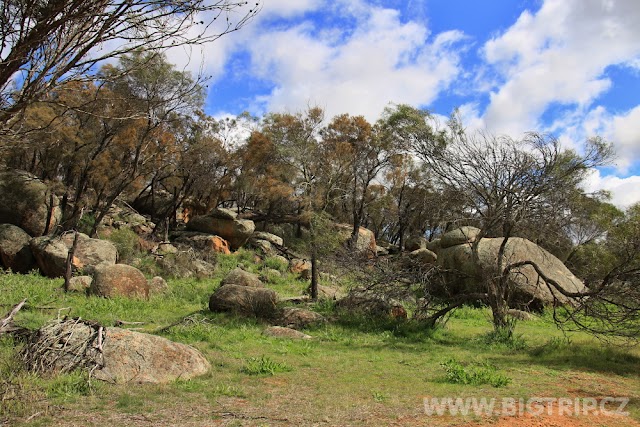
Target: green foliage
(276,264)
(68,385)
(505,337)
(264,366)
(86,223)
(126,241)
(476,374)
(551,346)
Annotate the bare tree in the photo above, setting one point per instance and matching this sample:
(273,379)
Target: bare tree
(46,42)
(506,183)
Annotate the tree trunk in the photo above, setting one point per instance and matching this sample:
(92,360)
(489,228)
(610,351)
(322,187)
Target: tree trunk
(314,274)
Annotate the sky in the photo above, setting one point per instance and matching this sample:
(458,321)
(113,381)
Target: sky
(570,68)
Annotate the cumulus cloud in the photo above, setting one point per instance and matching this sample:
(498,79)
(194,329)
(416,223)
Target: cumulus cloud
(357,69)
(558,55)
(624,191)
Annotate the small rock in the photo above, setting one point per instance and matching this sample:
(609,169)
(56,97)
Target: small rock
(240,277)
(250,301)
(299,318)
(424,256)
(271,238)
(158,285)
(459,236)
(80,283)
(282,332)
(166,248)
(301,267)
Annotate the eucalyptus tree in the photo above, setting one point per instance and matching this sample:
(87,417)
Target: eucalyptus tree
(49,42)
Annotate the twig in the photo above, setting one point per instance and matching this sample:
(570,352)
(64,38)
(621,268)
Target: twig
(123,322)
(7,321)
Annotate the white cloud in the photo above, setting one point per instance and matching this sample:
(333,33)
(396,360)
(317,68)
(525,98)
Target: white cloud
(357,70)
(624,191)
(287,8)
(620,129)
(559,55)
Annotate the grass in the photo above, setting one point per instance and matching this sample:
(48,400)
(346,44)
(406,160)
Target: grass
(476,374)
(355,371)
(264,366)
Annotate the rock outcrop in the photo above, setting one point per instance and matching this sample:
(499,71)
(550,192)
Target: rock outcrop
(366,244)
(51,253)
(459,236)
(529,287)
(224,223)
(28,203)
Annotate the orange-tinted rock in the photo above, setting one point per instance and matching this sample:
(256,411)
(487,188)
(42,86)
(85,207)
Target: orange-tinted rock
(119,280)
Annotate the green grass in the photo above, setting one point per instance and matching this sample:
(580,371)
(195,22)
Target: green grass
(356,370)
(476,374)
(264,366)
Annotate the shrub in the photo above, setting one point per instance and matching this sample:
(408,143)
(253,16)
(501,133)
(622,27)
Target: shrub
(276,264)
(456,373)
(126,241)
(264,366)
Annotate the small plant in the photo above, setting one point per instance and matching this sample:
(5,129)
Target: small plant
(276,264)
(76,383)
(456,373)
(506,338)
(264,366)
(227,390)
(552,345)
(379,396)
(126,242)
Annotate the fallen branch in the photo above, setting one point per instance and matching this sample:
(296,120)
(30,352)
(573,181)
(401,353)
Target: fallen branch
(123,323)
(7,325)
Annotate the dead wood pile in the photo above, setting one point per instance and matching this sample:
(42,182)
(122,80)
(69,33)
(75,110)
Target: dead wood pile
(64,345)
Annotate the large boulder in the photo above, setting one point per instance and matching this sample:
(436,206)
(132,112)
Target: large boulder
(528,286)
(119,280)
(223,223)
(122,216)
(51,253)
(14,249)
(153,204)
(240,277)
(136,357)
(113,355)
(366,244)
(459,236)
(249,301)
(28,203)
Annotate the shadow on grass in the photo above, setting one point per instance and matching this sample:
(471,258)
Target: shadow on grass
(595,357)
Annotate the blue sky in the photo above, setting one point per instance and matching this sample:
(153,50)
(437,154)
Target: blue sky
(567,67)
